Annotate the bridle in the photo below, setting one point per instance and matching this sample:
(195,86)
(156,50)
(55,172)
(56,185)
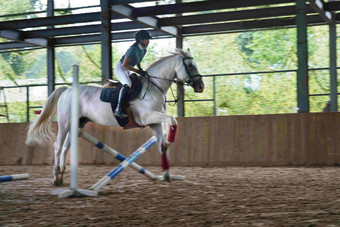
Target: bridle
(188,82)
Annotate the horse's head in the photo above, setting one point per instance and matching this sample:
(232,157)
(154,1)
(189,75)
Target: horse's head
(187,71)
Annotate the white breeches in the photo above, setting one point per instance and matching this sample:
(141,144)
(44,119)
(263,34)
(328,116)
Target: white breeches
(122,74)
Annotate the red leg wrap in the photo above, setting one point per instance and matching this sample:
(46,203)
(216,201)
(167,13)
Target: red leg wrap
(172,133)
(165,161)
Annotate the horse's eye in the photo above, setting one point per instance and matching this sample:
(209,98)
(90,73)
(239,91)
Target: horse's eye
(190,66)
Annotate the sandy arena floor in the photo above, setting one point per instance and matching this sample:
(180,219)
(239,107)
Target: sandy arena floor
(208,197)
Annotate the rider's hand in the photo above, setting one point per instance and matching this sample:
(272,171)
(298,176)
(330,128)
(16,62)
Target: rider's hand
(142,72)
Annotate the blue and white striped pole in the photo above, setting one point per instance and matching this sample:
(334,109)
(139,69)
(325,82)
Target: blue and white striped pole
(14,177)
(105,180)
(115,154)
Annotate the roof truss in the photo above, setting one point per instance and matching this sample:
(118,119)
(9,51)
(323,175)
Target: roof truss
(197,18)
(319,7)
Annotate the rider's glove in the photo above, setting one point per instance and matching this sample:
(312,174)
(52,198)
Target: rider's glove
(142,72)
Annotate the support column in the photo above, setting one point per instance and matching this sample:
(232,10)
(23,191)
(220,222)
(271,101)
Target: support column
(180,88)
(332,67)
(302,54)
(50,54)
(105,38)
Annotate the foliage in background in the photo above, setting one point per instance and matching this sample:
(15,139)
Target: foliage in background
(263,93)
(254,93)
(19,6)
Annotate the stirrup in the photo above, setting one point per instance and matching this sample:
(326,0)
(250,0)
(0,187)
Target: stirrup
(119,113)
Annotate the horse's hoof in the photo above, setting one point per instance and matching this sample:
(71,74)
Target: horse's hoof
(167,177)
(56,183)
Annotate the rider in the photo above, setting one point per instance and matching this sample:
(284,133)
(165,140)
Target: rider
(133,56)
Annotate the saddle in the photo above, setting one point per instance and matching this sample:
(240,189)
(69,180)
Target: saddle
(110,93)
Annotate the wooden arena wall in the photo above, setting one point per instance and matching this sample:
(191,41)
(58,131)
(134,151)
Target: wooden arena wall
(310,139)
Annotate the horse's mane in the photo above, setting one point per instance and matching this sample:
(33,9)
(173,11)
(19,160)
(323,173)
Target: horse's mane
(177,51)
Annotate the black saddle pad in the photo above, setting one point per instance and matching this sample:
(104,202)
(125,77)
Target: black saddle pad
(111,95)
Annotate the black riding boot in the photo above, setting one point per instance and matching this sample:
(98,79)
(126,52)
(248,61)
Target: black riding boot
(125,89)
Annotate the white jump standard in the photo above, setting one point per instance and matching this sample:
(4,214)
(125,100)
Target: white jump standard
(13,177)
(105,180)
(74,190)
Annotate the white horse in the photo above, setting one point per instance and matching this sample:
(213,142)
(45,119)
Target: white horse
(149,109)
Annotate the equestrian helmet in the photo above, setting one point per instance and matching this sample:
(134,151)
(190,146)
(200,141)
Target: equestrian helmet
(142,34)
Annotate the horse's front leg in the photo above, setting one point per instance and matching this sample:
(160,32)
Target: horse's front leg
(165,162)
(155,120)
(163,147)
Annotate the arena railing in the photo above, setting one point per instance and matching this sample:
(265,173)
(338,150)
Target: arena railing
(213,99)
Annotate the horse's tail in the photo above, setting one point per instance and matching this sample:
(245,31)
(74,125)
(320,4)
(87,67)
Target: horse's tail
(40,130)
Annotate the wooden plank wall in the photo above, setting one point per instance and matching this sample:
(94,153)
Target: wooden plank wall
(13,150)
(310,139)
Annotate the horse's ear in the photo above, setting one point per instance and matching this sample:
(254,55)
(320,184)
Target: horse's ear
(189,52)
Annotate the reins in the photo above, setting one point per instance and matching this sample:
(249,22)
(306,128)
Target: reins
(189,82)
(153,83)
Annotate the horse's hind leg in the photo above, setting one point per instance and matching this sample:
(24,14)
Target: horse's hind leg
(56,168)
(58,145)
(66,148)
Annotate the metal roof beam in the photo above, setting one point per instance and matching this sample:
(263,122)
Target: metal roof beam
(170,21)
(129,1)
(11,34)
(230,16)
(14,45)
(37,41)
(153,22)
(332,6)
(56,20)
(83,39)
(319,7)
(96,38)
(203,6)
(20,36)
(76,30)
(137,12)
(246,25)
(187,31)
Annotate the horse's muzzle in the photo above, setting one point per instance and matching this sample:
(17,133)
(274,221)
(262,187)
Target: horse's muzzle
(199,86)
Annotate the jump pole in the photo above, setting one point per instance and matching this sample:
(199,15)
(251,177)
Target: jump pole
(109,150)
(74,190)
(115,154)
(106,179)
(13,177)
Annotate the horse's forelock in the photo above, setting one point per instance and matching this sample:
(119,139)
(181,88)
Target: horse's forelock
(183,53)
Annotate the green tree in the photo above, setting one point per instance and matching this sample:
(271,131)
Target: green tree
(269,50)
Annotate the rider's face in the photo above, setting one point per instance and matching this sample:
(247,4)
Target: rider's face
(145,42)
